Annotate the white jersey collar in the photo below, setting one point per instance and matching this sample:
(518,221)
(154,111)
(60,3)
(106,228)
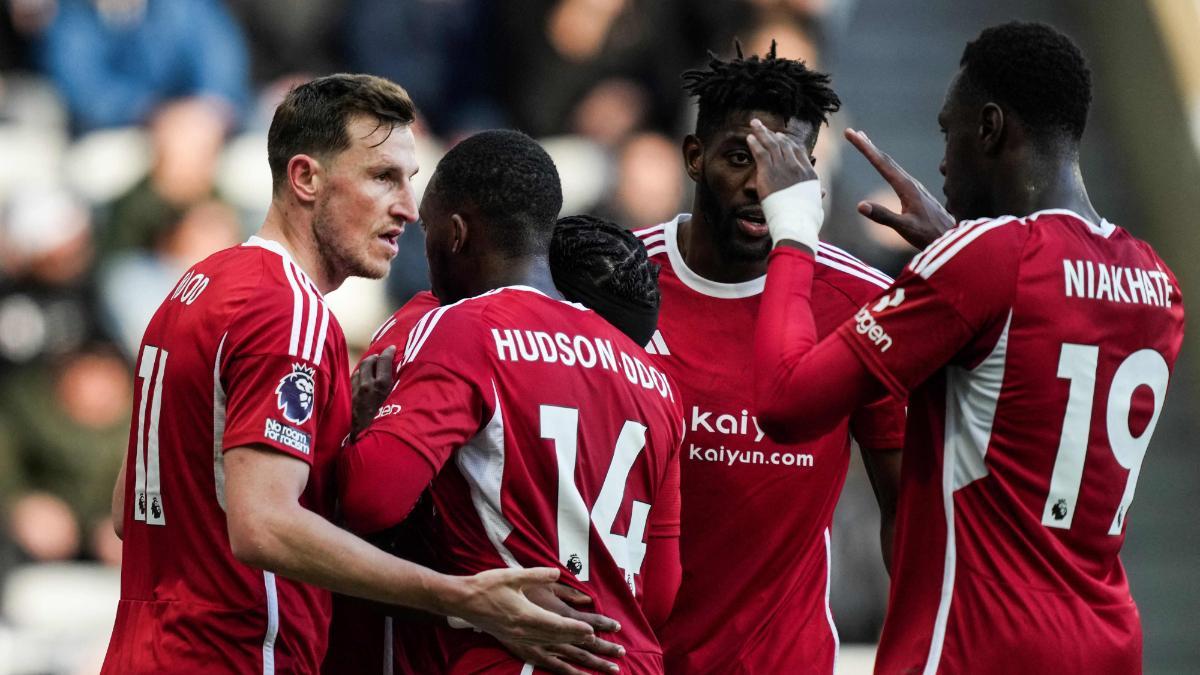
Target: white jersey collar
(714,289)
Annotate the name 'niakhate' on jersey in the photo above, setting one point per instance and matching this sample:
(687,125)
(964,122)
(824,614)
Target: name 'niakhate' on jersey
(757,514)
(554,442)
(243,352)
(1036,352)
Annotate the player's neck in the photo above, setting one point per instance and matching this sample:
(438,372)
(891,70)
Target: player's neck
(703,257)
(284,229)
(1047,185)
(499,271)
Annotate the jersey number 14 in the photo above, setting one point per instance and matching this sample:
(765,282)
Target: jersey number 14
(561,425)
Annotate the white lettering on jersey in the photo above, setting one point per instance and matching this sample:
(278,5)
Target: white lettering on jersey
(866,324)
(703,420)
(1097,281)
(190,287)
(586,352)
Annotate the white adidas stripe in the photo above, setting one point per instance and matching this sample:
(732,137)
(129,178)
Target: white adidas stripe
(647,231)
(654,239)
(324,326)
(651,252)
(842,256)
(310,325)
(431,318)
(852,271)
(941,243)
(932,265)
(297,309)
(383,328)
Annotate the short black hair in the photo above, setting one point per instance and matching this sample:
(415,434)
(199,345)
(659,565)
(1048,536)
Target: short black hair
(600,254)
(1034,70)
(313,117)
(786,87)
(508,177)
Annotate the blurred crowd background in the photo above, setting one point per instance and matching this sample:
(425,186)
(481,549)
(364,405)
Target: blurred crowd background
(133,144)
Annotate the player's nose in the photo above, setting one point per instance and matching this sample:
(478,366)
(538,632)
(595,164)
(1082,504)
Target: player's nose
(404,208)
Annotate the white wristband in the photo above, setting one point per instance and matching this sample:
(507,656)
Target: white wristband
(795,213)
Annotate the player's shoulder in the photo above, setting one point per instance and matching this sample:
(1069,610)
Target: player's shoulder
(395,329)
(459,324)
(973,245)
(654,238)
(849,275)
(284,311)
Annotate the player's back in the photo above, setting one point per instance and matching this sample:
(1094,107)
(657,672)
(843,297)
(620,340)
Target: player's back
(569,467)
(1047,417)
(242,315)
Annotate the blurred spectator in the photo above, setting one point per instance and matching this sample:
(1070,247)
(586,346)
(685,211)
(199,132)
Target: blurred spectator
(69,424)
(291,39)
(45,256)
(441,51)
(649,185)
(116,61)
(134,282)
(63,398)
(576,62)
(187,137)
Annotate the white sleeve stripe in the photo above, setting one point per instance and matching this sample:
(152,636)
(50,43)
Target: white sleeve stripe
(854,272)
(647,231)
(321,333)
(415,334)
(436,316)
(383,328)
(651,252)
(934,264)
(310,326)
(940,243)
(654,239)
(297,309)
(843,257)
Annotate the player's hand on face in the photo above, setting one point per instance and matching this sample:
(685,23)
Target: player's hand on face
(369,386)
(496,602)
(562,658)
(922,217)
(779,161)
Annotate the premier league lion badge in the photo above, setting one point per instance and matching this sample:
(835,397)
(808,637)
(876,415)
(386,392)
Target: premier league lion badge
(294,395)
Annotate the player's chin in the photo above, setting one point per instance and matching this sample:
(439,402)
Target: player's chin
(747,247)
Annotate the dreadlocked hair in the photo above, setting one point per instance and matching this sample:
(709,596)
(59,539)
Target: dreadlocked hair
(606,256)
(786,87)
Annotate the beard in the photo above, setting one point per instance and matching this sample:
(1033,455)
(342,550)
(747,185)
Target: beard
(723,227)
(340,257)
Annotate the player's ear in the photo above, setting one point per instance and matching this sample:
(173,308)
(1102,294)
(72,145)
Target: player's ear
(304,177)
(459,232)
(693,157)
(991,127)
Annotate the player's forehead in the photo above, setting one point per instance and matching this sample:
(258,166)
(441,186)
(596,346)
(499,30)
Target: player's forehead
(737,125)
(952,102)
(374,142)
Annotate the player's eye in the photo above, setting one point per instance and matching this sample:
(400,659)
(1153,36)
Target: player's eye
(740,158)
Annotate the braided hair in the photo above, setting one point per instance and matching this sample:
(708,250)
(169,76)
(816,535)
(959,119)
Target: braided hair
(603,266)
(786,87)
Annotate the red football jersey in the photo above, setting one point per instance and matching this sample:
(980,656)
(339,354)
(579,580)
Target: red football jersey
(243,352)
(1057,337)
(361,638)
(756,514)
(555,442)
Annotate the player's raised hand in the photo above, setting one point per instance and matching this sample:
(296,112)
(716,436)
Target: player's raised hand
(369,387)
(495,602)
(780,162)
(922,217)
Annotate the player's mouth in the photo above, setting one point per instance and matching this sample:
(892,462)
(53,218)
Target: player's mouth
(751,222)
(391,239)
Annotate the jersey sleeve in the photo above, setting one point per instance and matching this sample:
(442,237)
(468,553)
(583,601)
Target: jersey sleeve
(879,425)
(276,391)
(946,303)
(442,398)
